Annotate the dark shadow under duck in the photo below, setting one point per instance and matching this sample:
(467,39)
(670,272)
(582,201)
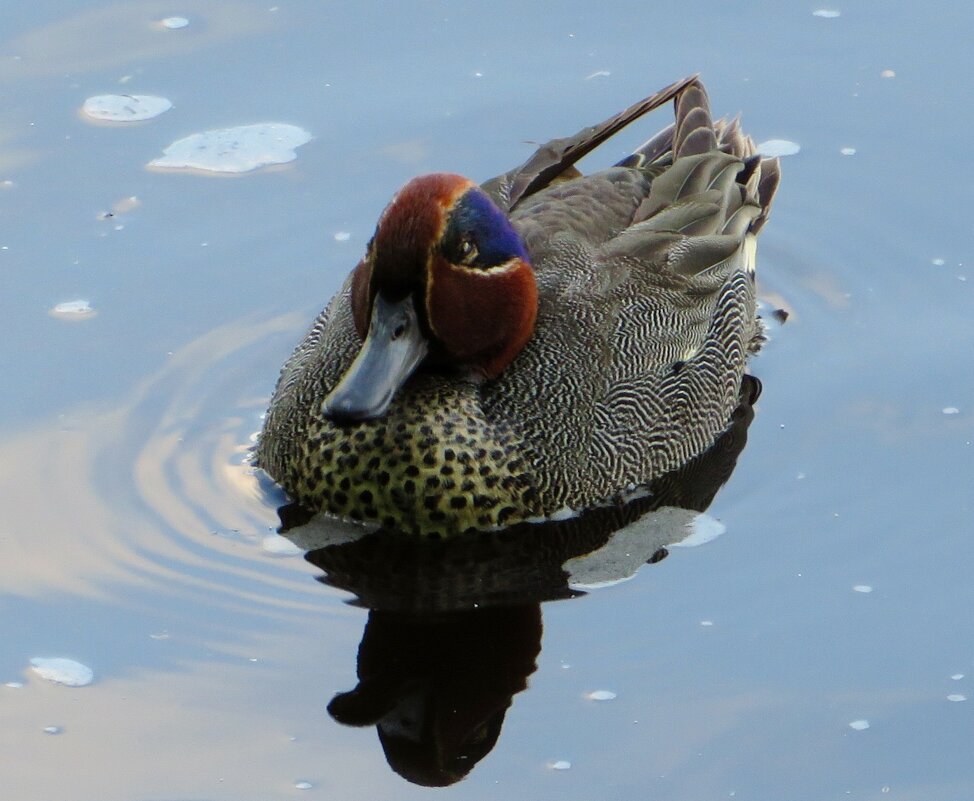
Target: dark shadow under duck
(455,626)
(543,343)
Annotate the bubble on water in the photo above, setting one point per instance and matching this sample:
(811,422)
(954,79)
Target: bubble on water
(73,310)
(862,588)
(955,677)
(124,108)
(234,150)
(937,262)
(956,697)
(706,623)
(601,695)
(560,764)
(951,410)
(848,151)
(342,236)
(52,730)
(62,671)
(859,725)
(772,148)
(302,785)
(887,74)
(826,13)
(174,23)
(126,204)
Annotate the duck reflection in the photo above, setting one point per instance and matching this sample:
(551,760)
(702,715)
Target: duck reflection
(454,627)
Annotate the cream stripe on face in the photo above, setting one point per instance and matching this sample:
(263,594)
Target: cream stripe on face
(498,269)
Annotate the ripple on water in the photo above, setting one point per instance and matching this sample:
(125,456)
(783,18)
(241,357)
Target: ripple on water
(150,480)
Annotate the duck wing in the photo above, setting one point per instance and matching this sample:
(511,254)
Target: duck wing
(647,300)
(553,159)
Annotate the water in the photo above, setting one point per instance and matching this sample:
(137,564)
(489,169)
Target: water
(132,533)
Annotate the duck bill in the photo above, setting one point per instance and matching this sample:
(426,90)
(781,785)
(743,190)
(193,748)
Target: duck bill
(393,348)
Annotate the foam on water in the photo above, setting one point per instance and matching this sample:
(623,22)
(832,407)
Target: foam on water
(124,108)
(234,150)
(62,671)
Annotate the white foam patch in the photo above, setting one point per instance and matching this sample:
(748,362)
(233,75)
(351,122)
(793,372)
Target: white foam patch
(826,13)
(601,695)
(859,725)
(774,148)
(174,23)
(62,671)
(234,150)
(73,310)
(125,108)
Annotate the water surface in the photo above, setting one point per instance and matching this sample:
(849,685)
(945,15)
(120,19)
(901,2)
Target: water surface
(135,540)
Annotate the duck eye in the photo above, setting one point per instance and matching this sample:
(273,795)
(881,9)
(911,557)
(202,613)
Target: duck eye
(468,252)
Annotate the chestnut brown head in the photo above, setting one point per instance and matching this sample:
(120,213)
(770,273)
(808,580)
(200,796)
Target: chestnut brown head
(446,280)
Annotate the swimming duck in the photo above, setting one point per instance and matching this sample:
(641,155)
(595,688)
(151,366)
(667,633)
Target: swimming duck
(541,343)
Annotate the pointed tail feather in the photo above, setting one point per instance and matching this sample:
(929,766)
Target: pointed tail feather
(694,132)
(553,158)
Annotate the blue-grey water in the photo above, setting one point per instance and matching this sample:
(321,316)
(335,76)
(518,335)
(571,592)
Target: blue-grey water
(134,538)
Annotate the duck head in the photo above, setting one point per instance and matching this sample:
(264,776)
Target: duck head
(445,281)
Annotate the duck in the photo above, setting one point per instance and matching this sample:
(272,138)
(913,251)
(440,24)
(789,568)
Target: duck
(538,344)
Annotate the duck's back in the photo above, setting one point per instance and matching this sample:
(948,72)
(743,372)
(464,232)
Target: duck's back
(646,309)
